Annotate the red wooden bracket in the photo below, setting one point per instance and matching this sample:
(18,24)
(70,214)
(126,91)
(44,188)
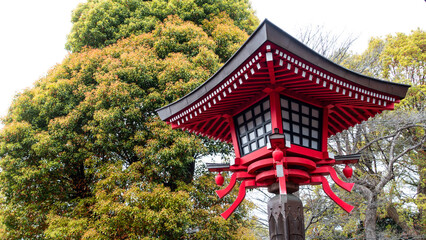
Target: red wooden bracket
(347,186)
(236,203)
(325,170)
(223,192)
(326,187)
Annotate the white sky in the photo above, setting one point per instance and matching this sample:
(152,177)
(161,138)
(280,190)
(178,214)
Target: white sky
(33,33)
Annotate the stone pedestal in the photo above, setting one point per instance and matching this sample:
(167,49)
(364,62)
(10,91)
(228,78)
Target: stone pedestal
(285,216)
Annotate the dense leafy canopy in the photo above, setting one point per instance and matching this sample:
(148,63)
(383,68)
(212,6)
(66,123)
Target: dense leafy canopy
(404,57)
(99,23)
(83,154)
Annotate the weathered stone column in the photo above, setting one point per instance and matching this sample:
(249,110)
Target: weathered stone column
(285,216)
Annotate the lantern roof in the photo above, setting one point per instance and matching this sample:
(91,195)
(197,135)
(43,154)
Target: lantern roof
(272,60)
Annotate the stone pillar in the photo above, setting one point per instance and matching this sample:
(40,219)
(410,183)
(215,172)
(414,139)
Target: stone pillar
(285,216)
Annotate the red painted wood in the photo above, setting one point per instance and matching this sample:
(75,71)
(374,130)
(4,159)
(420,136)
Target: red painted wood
(334,122)
(251,83)
(324,139)
(326,162)
(303,84)
(290,161)
(240,198)
(350,116)
(258,154)
(249,102)
(302,151)
(282,184)
(276,118)
(326,187)
(271,71)
(358,114)
(245,175)
(363,105)
(211,126)
(342,117)
(299,161)
(298,173)
(333,126)
(223,192)
(369,112)
(266,175)
(291,173)
(315,180)
(222,130)
(347,186)
(269,162)
(234,136)
(234,168)
(306,99)
(251,183)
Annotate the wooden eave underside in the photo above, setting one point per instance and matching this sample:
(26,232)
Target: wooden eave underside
(349,103)
(272,60)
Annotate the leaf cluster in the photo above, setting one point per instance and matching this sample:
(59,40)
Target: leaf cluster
(99,23)
(83,154)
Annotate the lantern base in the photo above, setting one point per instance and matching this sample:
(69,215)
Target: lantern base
(286,221)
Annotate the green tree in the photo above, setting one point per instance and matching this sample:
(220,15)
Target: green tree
(404,57)
(99,23)
(83,154)
(392,145)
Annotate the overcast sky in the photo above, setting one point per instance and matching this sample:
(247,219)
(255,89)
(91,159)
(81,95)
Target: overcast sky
(33,33)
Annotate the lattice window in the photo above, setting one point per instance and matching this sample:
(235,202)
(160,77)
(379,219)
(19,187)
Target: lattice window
(253,125)
(301,123)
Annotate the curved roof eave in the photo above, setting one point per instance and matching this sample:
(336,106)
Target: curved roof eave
(267,31)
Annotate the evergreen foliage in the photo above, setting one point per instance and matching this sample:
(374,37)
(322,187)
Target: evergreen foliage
(99,23)
(83,154)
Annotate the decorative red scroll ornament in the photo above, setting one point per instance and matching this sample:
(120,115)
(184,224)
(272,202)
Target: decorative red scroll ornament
(279,168)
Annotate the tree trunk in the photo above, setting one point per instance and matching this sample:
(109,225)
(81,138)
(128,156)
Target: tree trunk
(421,191)
(393,213)
(370,220)
(79,182)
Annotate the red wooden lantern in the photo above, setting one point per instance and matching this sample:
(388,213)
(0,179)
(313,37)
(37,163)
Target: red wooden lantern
(277,102)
